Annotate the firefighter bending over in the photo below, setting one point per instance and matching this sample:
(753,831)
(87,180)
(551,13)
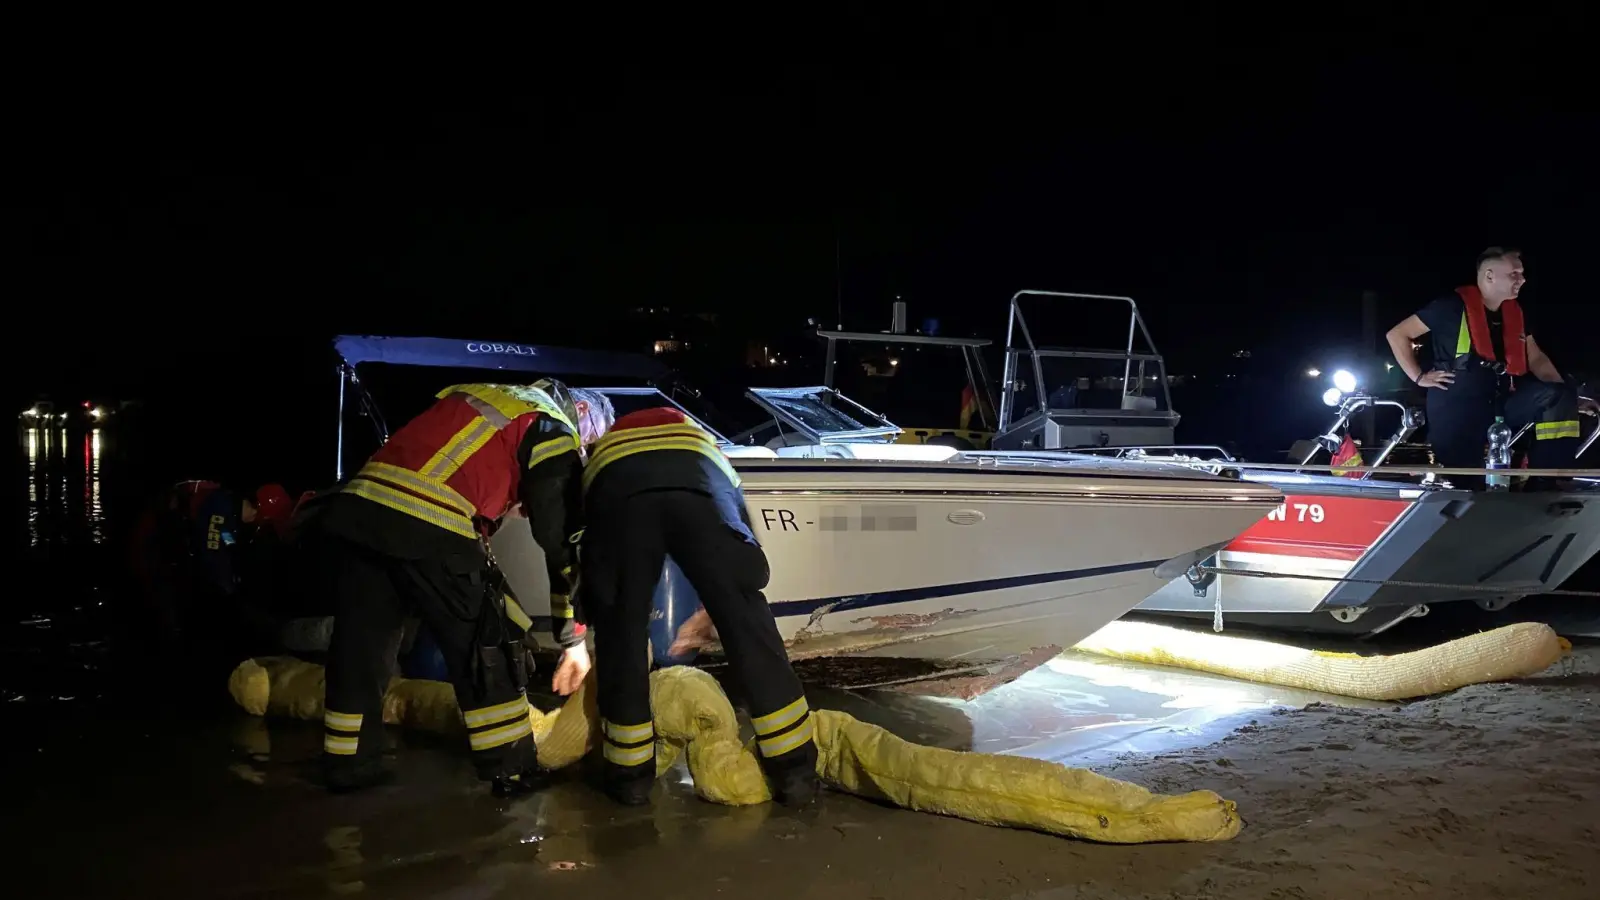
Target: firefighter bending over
(1484,353)
(408,533)
(657,485)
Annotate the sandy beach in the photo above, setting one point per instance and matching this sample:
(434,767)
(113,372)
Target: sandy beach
(1487,792)
(1490,791)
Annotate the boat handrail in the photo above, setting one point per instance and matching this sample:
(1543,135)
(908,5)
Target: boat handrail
(1150,449)
(1017,322)
(892,337)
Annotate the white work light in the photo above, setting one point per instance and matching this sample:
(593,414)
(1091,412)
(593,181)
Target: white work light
(1344,381)
(1332,396)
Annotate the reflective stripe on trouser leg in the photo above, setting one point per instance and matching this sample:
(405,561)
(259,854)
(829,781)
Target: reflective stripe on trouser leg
(341,732)
(784,731)
(1550,431)
(493,727)
(629,746)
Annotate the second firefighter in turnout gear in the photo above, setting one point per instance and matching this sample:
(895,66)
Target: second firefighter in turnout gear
(408,534)
(656,485)
(1487,363)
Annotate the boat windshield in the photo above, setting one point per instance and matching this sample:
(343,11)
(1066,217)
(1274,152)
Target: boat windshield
(632,399)
(823,414)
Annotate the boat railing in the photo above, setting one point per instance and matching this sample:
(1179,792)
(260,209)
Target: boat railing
(1157,449)
(1017,329)
(971,350)
(1411,419)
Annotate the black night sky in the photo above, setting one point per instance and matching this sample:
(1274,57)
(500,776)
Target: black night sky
(1245,175)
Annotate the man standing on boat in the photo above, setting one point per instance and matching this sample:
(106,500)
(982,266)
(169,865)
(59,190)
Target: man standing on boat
(409,532)
(1487,363)
(657,486)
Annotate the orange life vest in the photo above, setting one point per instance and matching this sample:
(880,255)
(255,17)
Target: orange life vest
(1474,335)
(1346,457)
(458,460)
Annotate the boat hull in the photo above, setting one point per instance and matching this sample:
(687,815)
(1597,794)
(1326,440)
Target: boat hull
(971,561)
(1492,548)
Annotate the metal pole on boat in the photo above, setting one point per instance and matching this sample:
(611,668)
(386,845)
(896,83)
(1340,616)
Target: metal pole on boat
(1410,420)
(1008,370)
(1127,359)
(980,392)
(1587,441)
(338,463)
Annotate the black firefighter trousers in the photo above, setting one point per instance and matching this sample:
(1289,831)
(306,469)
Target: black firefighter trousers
(1459,420)
(374,594)
(624,549)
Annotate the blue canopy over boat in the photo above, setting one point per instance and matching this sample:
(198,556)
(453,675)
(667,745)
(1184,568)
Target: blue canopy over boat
(529,358)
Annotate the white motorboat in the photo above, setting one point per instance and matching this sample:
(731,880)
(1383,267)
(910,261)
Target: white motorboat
(888,549)
(874,545)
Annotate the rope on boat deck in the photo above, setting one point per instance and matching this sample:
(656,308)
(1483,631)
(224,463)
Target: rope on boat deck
(1315,468)
(1387,582)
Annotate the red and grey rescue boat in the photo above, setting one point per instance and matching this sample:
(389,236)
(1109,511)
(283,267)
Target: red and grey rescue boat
(1396,549)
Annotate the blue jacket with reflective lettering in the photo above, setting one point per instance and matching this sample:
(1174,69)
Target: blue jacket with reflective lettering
(215,536)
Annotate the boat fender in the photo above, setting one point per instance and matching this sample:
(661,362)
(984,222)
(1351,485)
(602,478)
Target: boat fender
(675,601)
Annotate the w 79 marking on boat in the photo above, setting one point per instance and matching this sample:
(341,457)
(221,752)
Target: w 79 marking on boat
(1302,511)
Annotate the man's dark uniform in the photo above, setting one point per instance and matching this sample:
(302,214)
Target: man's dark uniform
(656,485)
(1487,351)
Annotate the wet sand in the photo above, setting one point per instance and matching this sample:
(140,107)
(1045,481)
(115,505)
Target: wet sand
(1490,791)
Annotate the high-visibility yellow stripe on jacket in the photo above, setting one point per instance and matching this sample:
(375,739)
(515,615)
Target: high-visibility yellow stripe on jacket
(458,459)
(658,448)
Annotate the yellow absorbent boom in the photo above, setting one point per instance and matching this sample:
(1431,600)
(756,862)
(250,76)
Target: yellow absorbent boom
(1514,651)
(695,721)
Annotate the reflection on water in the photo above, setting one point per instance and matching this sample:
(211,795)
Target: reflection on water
(56,632)
(93,513)
(56,513)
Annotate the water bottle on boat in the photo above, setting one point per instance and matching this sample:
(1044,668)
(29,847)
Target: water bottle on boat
(1499,454)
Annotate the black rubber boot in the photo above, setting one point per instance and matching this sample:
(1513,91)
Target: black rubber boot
(345,777)
(629,792)
(796,788)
